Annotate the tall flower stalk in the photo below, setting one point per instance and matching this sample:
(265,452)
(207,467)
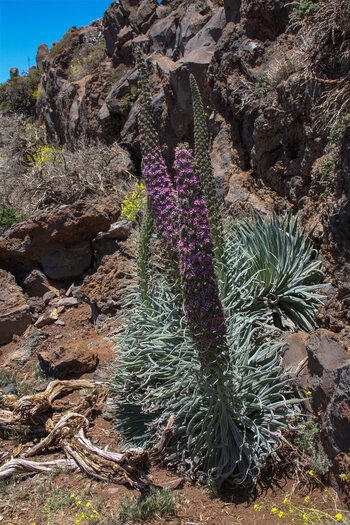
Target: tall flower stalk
(205,171)
(204,310)
(160,191)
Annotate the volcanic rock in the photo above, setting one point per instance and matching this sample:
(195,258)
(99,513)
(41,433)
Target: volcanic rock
(14,311)
(63,362)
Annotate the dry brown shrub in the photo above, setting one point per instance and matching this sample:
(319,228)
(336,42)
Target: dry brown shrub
(62,177)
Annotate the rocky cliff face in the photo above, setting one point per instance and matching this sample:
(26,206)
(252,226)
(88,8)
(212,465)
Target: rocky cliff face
(272,95)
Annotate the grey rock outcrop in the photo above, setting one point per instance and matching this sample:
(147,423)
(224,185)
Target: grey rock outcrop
(319,364)
(14,311)
(41,55)
(58,238)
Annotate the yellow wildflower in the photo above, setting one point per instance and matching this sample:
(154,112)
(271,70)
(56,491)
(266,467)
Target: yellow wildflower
(274,510)
(285,500)
(72,495)
(307,498)
(280,514)
(311,473)
(88,504)
(338,516)
(79,502)
(308,393)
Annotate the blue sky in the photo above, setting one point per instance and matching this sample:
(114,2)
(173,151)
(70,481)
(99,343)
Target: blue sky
(25,24)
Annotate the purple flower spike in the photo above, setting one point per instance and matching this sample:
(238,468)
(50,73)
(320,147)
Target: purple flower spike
(162,199)
(204,309)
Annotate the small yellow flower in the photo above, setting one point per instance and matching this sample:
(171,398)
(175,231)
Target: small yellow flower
(338,517)
(311,473)
(307,498)
(91,515)
(280,514)
(45,505)
(290,511)
(305,517)
(88,504)
(95,512)
(327,515)
(79,502)
(274,510)
(82,515)
(72,495)
(308,393)
(285,500)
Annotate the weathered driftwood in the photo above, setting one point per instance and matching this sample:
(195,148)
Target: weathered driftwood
(66,432)
(24,466)
(11,422)
(130,467)
(28,407)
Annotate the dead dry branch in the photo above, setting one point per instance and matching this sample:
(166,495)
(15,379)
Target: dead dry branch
(66,432)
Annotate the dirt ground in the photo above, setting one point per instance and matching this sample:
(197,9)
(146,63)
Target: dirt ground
(67,498)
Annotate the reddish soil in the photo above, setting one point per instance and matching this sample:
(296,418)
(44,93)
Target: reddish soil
(46,498)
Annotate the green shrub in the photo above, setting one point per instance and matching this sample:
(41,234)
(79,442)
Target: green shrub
(44,155)
(156,502)
(326,169)
(336,130)
(308,441)
(133,204)
(129,99)
(87,64)
(304,8)
(16,95)
(262,85)
(9,216)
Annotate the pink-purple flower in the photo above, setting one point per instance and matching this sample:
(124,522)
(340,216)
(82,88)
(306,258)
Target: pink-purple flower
(204,309)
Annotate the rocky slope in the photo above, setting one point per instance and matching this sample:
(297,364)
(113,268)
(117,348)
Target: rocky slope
(270,92)
(278,110)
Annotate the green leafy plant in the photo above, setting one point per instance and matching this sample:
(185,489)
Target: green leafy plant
(133,204)
(308,442)
(129,99)
(9,216)
(336,130)
(305,8)
(45,154)
(262,85)
(204,345)
(326,168)
(16,95)
(155,502)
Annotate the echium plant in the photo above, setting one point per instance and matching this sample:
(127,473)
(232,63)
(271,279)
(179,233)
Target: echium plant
(204,167)
(160,191)
(210,352)
(200,290)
